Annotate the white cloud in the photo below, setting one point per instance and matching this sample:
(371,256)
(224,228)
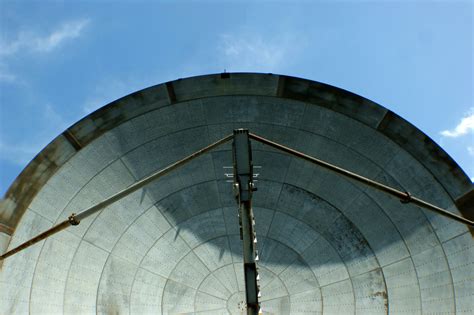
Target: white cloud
(251,51)
(69,30)
(31,42)
(465,126)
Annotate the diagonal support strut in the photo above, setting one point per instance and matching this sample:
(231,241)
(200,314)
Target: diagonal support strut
(404,196)
(75,219)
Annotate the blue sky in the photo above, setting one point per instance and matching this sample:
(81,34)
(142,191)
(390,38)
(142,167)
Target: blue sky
(60,60)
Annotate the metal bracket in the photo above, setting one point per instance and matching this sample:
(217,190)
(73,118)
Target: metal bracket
(73,220)
(407,198)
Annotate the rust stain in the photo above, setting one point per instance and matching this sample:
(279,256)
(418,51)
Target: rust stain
(381,293)
(384,295)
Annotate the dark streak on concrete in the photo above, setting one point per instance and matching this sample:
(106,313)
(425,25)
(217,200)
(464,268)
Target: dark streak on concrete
(72,140)
(171,93)
(281,86)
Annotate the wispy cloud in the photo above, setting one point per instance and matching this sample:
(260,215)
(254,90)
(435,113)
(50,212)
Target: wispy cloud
(32,42)
(252,51)
(465,126)
(67,31)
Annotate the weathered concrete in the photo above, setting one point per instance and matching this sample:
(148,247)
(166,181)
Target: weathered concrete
(327,245)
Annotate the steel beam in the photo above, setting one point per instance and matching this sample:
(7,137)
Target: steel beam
(243,189)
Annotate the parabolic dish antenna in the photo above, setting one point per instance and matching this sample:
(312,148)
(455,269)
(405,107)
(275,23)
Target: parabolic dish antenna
(326,243)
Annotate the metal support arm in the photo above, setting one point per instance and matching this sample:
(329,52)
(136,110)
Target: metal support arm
(75,219)
(404,196)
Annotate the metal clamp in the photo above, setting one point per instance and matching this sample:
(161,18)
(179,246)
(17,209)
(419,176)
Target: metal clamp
(407,198)
(72,219)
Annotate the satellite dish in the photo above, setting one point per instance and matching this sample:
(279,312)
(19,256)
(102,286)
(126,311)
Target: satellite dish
(326,243)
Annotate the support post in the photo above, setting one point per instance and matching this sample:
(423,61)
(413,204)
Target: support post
(243,188)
